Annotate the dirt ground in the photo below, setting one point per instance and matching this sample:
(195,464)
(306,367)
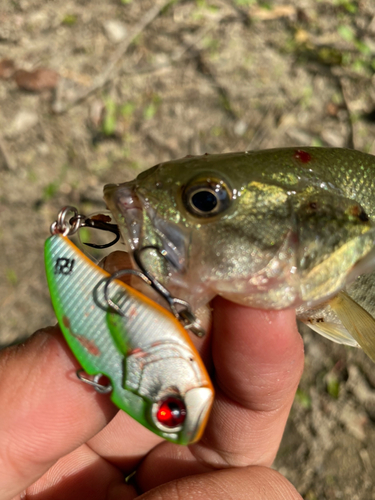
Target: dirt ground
(127,84)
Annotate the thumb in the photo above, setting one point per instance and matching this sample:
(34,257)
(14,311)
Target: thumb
(45,411)
(257,483)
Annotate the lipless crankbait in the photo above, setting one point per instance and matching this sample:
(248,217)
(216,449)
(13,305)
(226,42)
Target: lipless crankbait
(155,373)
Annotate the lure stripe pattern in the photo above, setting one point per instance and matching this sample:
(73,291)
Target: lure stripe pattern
(144,354)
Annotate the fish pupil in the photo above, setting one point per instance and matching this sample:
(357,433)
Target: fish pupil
(363,216)
(206,196)
(205,201)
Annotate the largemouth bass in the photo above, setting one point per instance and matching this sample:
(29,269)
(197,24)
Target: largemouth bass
(268,229)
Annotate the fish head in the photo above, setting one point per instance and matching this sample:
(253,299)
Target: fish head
(230,225)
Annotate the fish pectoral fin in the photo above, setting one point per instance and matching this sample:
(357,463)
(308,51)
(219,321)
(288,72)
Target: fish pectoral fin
(359,323)
(334,332)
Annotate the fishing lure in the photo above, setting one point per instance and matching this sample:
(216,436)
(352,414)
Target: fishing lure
(155,373)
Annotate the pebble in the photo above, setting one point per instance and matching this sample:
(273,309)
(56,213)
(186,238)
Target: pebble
(115,31)
(240,128)
(22,122)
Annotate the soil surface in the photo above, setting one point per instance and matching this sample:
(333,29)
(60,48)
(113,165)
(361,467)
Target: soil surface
(93,92)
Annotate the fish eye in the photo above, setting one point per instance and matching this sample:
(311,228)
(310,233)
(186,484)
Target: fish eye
(206,197)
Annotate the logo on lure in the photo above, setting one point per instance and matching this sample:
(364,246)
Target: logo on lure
(155,372)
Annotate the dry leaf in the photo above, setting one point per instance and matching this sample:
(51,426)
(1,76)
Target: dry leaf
(301,36)
(332,109)
(275,13)
(37,80)
(80,78)
(7,68)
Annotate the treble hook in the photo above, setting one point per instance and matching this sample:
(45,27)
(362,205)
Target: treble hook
(155,284)
(184,315)
(98,224)
(116,276)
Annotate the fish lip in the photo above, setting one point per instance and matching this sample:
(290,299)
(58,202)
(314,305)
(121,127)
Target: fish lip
(123,201)
(127,202)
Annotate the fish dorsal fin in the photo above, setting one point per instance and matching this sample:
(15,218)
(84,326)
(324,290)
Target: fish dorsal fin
(334,332)
(359,323)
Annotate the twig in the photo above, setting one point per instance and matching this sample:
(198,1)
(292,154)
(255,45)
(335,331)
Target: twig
(8,161)
(259,133)
(157,142)
(245,18)
(177,56)
(350,138)
(205,70)
(109,71)
(339,76)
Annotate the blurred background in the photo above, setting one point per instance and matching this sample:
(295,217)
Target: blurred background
(94,92)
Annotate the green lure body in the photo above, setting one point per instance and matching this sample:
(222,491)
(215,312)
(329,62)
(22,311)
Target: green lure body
(154,370)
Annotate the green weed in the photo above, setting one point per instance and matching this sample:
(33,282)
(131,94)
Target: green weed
(127,109)
(151,108)
(245,3)
(50,190)
(69,20)
(333,385)
(303,399)
(11,276)
(110,117)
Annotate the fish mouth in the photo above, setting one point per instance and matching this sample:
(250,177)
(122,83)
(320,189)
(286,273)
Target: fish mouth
(127,210)
(141,225)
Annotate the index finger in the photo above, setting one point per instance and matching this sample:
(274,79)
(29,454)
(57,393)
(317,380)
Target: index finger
(258,356)
(258,361)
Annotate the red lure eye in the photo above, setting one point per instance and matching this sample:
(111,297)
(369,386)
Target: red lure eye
(171,412)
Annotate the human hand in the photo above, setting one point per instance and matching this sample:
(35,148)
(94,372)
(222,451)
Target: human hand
(59,439)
